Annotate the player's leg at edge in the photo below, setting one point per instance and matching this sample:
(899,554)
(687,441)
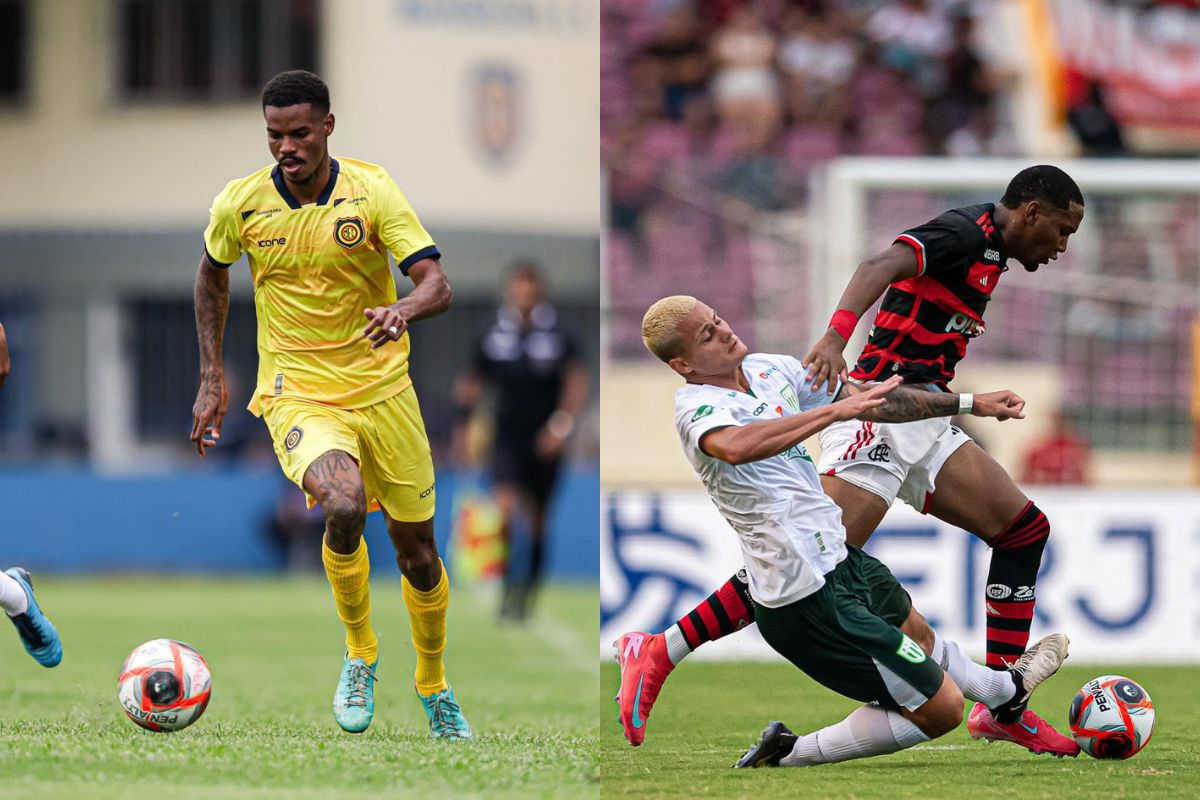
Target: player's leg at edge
(37,633)
(646,659)
(426,589)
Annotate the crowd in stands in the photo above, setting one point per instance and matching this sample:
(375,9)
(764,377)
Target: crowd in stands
(717,110)
(757,92)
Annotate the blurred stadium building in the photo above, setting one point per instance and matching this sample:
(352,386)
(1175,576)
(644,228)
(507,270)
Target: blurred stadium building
(122,120)
(755,152)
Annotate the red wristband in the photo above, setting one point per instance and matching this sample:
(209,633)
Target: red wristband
(844,322)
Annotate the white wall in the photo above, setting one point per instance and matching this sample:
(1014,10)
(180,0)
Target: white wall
(403,70)
(400,77)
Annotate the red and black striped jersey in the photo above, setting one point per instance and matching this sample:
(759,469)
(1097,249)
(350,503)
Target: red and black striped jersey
(924,323)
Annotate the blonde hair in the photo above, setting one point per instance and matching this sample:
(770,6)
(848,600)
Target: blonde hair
(660,325)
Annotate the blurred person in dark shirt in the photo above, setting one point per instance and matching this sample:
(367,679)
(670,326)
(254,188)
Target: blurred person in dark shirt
(679,57)
(1098,131)
(531,362)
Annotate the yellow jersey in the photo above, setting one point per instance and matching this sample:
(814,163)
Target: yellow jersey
(315,269)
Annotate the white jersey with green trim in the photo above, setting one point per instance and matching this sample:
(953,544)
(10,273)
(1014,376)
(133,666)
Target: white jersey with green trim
(791,532)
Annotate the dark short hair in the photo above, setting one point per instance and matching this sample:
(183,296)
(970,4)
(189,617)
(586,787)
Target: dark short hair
(1044,183)
(294,87)
(524,268)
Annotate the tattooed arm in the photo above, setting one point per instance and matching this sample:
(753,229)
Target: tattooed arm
(907,403)
(888,401)
(211,297)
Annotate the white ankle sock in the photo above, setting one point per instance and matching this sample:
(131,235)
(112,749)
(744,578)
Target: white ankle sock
(12,596)
(991,687)
(868,731)
(677,646)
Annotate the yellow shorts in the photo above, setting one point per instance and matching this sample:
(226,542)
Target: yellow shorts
(386,439)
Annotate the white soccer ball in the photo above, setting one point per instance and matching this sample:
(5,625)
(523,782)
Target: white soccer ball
(1112,717)
(164,685)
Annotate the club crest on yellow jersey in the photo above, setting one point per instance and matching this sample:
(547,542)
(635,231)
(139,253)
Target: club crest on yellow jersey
(293,438)
(348,232)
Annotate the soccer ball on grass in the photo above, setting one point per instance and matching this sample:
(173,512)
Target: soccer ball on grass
(1112,717)
(164,685)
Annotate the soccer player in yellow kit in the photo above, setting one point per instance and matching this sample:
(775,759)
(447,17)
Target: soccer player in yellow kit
(333,384)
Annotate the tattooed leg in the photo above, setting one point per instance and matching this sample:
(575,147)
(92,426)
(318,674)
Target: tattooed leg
(334,480)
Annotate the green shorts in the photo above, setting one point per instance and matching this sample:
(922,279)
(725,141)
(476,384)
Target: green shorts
(847,636)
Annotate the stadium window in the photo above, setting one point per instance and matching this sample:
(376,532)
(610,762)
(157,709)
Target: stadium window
(166,362)
(212,50)
(21,317)
(14,33)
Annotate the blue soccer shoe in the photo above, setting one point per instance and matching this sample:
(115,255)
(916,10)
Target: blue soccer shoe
(446,720)
(354,700)
(37,634)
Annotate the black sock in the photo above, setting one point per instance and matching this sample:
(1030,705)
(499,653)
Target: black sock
(1010,595)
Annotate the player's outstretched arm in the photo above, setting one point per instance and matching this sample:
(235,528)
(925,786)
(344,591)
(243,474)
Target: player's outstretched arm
(999,405)
(825,360)
(430,296)
(211,297)
(907,404)
(741,444)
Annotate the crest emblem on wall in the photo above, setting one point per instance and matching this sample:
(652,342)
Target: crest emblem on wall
(496,112)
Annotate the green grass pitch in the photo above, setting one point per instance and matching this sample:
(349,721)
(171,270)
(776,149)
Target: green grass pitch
(275,648)
(709,713)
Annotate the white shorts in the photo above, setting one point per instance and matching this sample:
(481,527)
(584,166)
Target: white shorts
(898,459)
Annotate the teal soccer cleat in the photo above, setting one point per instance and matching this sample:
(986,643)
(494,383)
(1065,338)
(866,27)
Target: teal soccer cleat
(354,700)
(37,634)
(446,720)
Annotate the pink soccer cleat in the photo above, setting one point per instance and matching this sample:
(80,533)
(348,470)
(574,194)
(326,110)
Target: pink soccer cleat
(1030,731)
(644,666)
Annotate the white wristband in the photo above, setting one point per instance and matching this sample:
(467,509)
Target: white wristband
(966,402)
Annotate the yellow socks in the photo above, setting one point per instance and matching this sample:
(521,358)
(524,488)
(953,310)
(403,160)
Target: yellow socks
(427,617)
(348,576)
